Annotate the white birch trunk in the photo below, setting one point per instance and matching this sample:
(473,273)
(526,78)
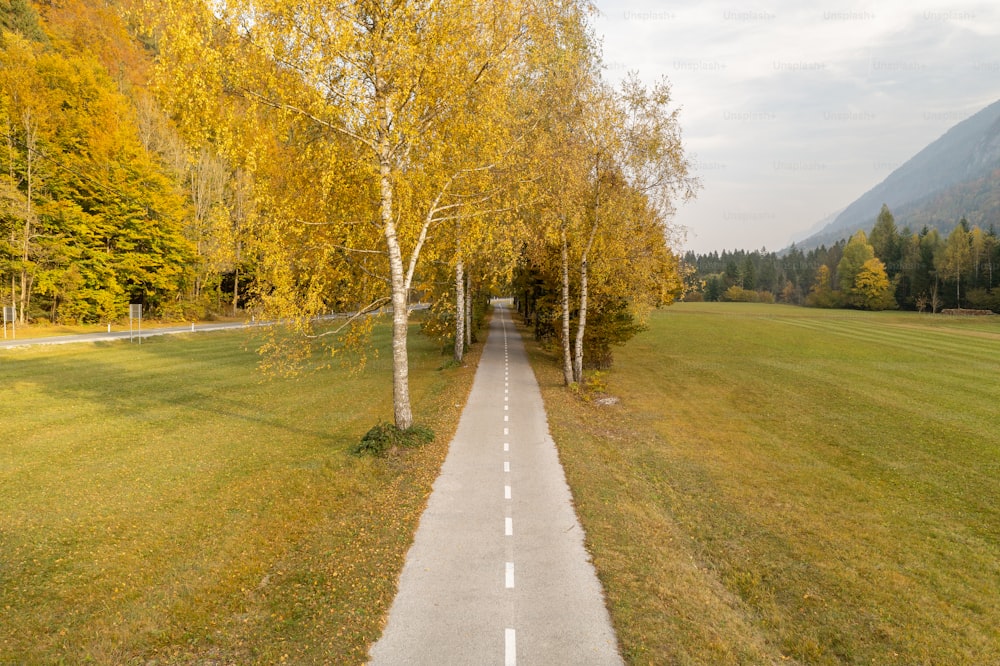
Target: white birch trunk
(459,311)
(567,357)
(400,305)
(236,278)
(468,311)
(581,327)
(30,142)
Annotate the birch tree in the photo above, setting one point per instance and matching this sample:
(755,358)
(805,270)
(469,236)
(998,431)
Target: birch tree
(368,84)
(560,158)
(954,259)
(637,152)
(206,180)
(621,166)
(603,148)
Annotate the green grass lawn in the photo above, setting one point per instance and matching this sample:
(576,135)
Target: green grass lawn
(166,503)
(787,485)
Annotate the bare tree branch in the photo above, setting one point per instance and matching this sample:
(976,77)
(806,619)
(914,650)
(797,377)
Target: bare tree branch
(374,305)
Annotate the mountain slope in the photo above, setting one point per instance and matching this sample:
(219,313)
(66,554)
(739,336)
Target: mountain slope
(978,201)
(952,177)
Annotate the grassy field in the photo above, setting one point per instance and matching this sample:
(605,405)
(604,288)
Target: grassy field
(166,503)
(787,485)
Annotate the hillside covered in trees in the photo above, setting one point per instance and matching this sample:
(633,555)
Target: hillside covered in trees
(885,268)
(203,158)
(91,216)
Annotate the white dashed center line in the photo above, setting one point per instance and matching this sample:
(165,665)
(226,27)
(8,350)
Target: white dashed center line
(510,642)
(509,647)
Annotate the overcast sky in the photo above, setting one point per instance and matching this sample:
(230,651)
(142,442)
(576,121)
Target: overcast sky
(792,110)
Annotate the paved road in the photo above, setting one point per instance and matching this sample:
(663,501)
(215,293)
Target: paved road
(116,335)
(497,573)
(11,341)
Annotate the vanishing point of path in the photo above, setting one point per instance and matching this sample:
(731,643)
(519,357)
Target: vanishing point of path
(498,573)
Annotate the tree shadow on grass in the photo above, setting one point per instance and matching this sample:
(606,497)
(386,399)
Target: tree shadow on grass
(209,377)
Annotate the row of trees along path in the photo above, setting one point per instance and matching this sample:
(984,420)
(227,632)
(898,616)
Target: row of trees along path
(407,148)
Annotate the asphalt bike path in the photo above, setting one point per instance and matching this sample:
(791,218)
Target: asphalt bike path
(498,573)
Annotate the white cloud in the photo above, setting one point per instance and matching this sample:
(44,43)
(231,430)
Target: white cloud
(796,111)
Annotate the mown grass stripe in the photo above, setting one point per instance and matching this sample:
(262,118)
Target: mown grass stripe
(167,503)
(789,484)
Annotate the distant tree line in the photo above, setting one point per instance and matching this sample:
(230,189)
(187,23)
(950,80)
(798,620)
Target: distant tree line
(887,268)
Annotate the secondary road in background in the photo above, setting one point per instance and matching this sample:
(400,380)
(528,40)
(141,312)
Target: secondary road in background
(117,335)
(11,341)
(498,573)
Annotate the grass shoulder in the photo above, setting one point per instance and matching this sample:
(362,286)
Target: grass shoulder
(167,503)
(781,484)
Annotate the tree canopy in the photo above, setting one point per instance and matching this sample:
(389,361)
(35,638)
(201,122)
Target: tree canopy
(301,158)
(407,146)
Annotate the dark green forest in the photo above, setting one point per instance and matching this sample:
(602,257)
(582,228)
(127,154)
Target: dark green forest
(885,268)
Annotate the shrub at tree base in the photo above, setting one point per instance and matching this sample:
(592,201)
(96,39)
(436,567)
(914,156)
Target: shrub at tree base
(385,436)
